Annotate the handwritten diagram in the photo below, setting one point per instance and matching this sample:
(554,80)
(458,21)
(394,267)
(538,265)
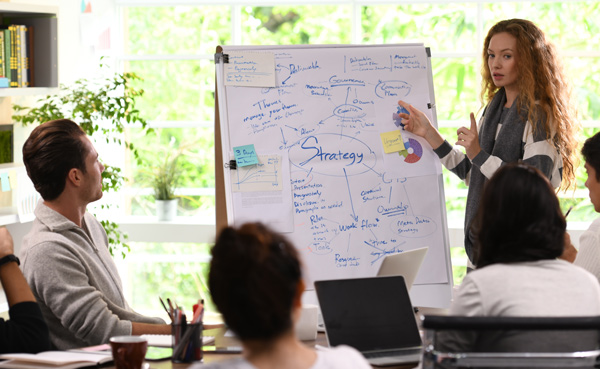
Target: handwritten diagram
(351,202)
(263,176)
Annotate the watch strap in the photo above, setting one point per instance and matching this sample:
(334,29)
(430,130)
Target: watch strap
(9,258)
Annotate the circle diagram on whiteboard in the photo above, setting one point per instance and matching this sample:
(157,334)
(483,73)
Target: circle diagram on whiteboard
(413,151)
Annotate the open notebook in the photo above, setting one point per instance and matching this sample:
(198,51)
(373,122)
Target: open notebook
(164,340)
(53,359)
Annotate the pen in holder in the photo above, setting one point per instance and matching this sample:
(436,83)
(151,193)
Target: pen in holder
(186,342)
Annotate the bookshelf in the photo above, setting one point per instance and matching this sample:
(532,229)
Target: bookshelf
(44,20)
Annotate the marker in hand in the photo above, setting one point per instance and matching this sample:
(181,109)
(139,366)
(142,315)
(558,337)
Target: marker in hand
(396,116)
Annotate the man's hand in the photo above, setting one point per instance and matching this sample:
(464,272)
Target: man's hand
(6,243)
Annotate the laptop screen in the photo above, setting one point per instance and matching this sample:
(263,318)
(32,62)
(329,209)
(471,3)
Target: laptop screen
(368,313)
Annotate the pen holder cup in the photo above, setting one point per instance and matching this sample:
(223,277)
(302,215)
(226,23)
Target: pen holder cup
(186,342)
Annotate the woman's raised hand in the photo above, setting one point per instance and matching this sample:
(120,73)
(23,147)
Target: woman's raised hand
(469,139)
(418,123)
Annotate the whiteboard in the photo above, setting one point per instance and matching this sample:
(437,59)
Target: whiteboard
(323,177)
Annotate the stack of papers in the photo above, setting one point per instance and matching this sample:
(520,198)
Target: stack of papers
(53,359)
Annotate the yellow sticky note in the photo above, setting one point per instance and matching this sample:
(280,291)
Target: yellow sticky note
(392,141)
(12,177)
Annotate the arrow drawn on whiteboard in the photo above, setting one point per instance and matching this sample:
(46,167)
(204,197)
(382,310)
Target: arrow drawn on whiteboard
(283,137)
(350,195)
(348,248)
(380,253)
(378,174)
(408,199)
(294,128)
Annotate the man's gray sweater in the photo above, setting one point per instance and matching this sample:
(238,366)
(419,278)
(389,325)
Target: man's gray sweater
(75,281)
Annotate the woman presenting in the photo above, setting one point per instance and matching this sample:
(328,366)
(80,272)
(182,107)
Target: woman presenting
(529,116)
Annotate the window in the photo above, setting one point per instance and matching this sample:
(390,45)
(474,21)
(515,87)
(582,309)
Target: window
(172,46)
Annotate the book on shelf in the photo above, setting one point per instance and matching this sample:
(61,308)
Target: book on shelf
(29,64)
(14,82)
(7,53)
(24,63)
(16,56)
(54,359)
(2,56)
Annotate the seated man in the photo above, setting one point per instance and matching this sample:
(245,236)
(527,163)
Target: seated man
(65,256)
(26,330)
(588,256)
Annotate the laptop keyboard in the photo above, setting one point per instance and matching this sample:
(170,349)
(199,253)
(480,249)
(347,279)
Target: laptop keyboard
(388,353)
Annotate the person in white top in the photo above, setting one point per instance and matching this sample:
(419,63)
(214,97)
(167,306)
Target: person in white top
(255,280)
(520,233)
(588,256)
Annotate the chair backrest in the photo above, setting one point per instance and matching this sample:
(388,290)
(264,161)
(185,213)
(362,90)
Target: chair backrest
(509,342)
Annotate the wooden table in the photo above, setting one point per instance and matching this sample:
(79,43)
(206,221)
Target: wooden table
(220,340)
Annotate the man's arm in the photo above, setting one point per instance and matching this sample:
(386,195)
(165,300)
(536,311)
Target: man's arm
(145,328)
(138,329)
(14,284)
(26,331)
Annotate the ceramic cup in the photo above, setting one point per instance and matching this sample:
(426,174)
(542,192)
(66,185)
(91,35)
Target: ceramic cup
(306,326)
(128,351)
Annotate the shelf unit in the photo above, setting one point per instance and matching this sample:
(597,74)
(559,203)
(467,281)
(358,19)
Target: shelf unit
(15,204)
(44,20)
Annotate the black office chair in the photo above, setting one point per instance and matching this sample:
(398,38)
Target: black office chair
(511,342)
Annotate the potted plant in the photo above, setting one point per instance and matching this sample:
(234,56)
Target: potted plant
(164,178)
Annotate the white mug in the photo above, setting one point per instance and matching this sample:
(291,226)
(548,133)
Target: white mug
(306,326)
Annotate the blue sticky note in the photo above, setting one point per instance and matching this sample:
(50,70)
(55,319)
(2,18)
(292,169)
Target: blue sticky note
(5,182)
(245,155)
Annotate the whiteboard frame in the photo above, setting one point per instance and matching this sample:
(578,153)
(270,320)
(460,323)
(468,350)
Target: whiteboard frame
(438,295)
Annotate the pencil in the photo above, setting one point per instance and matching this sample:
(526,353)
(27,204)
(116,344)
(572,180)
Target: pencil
(568,211)
(165,307)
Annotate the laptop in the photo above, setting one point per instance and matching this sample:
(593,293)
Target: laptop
(373,315)
(406,264)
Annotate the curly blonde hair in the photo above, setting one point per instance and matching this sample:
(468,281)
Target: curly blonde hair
(542,82)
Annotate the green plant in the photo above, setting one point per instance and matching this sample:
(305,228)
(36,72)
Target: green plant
(6,146)
(165,177)
(102,108)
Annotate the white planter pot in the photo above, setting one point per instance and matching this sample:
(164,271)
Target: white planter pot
(166,209)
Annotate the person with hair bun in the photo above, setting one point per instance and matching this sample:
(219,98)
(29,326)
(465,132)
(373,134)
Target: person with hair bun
(529,115)
(519,234)
(255,280)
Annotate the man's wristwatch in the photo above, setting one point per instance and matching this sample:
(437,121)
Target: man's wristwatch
(9,258)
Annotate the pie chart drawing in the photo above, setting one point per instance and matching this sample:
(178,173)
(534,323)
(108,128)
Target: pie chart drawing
(413,151)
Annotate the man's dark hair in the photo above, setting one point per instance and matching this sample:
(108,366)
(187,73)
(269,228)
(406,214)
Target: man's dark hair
(50,152)
(591,153)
